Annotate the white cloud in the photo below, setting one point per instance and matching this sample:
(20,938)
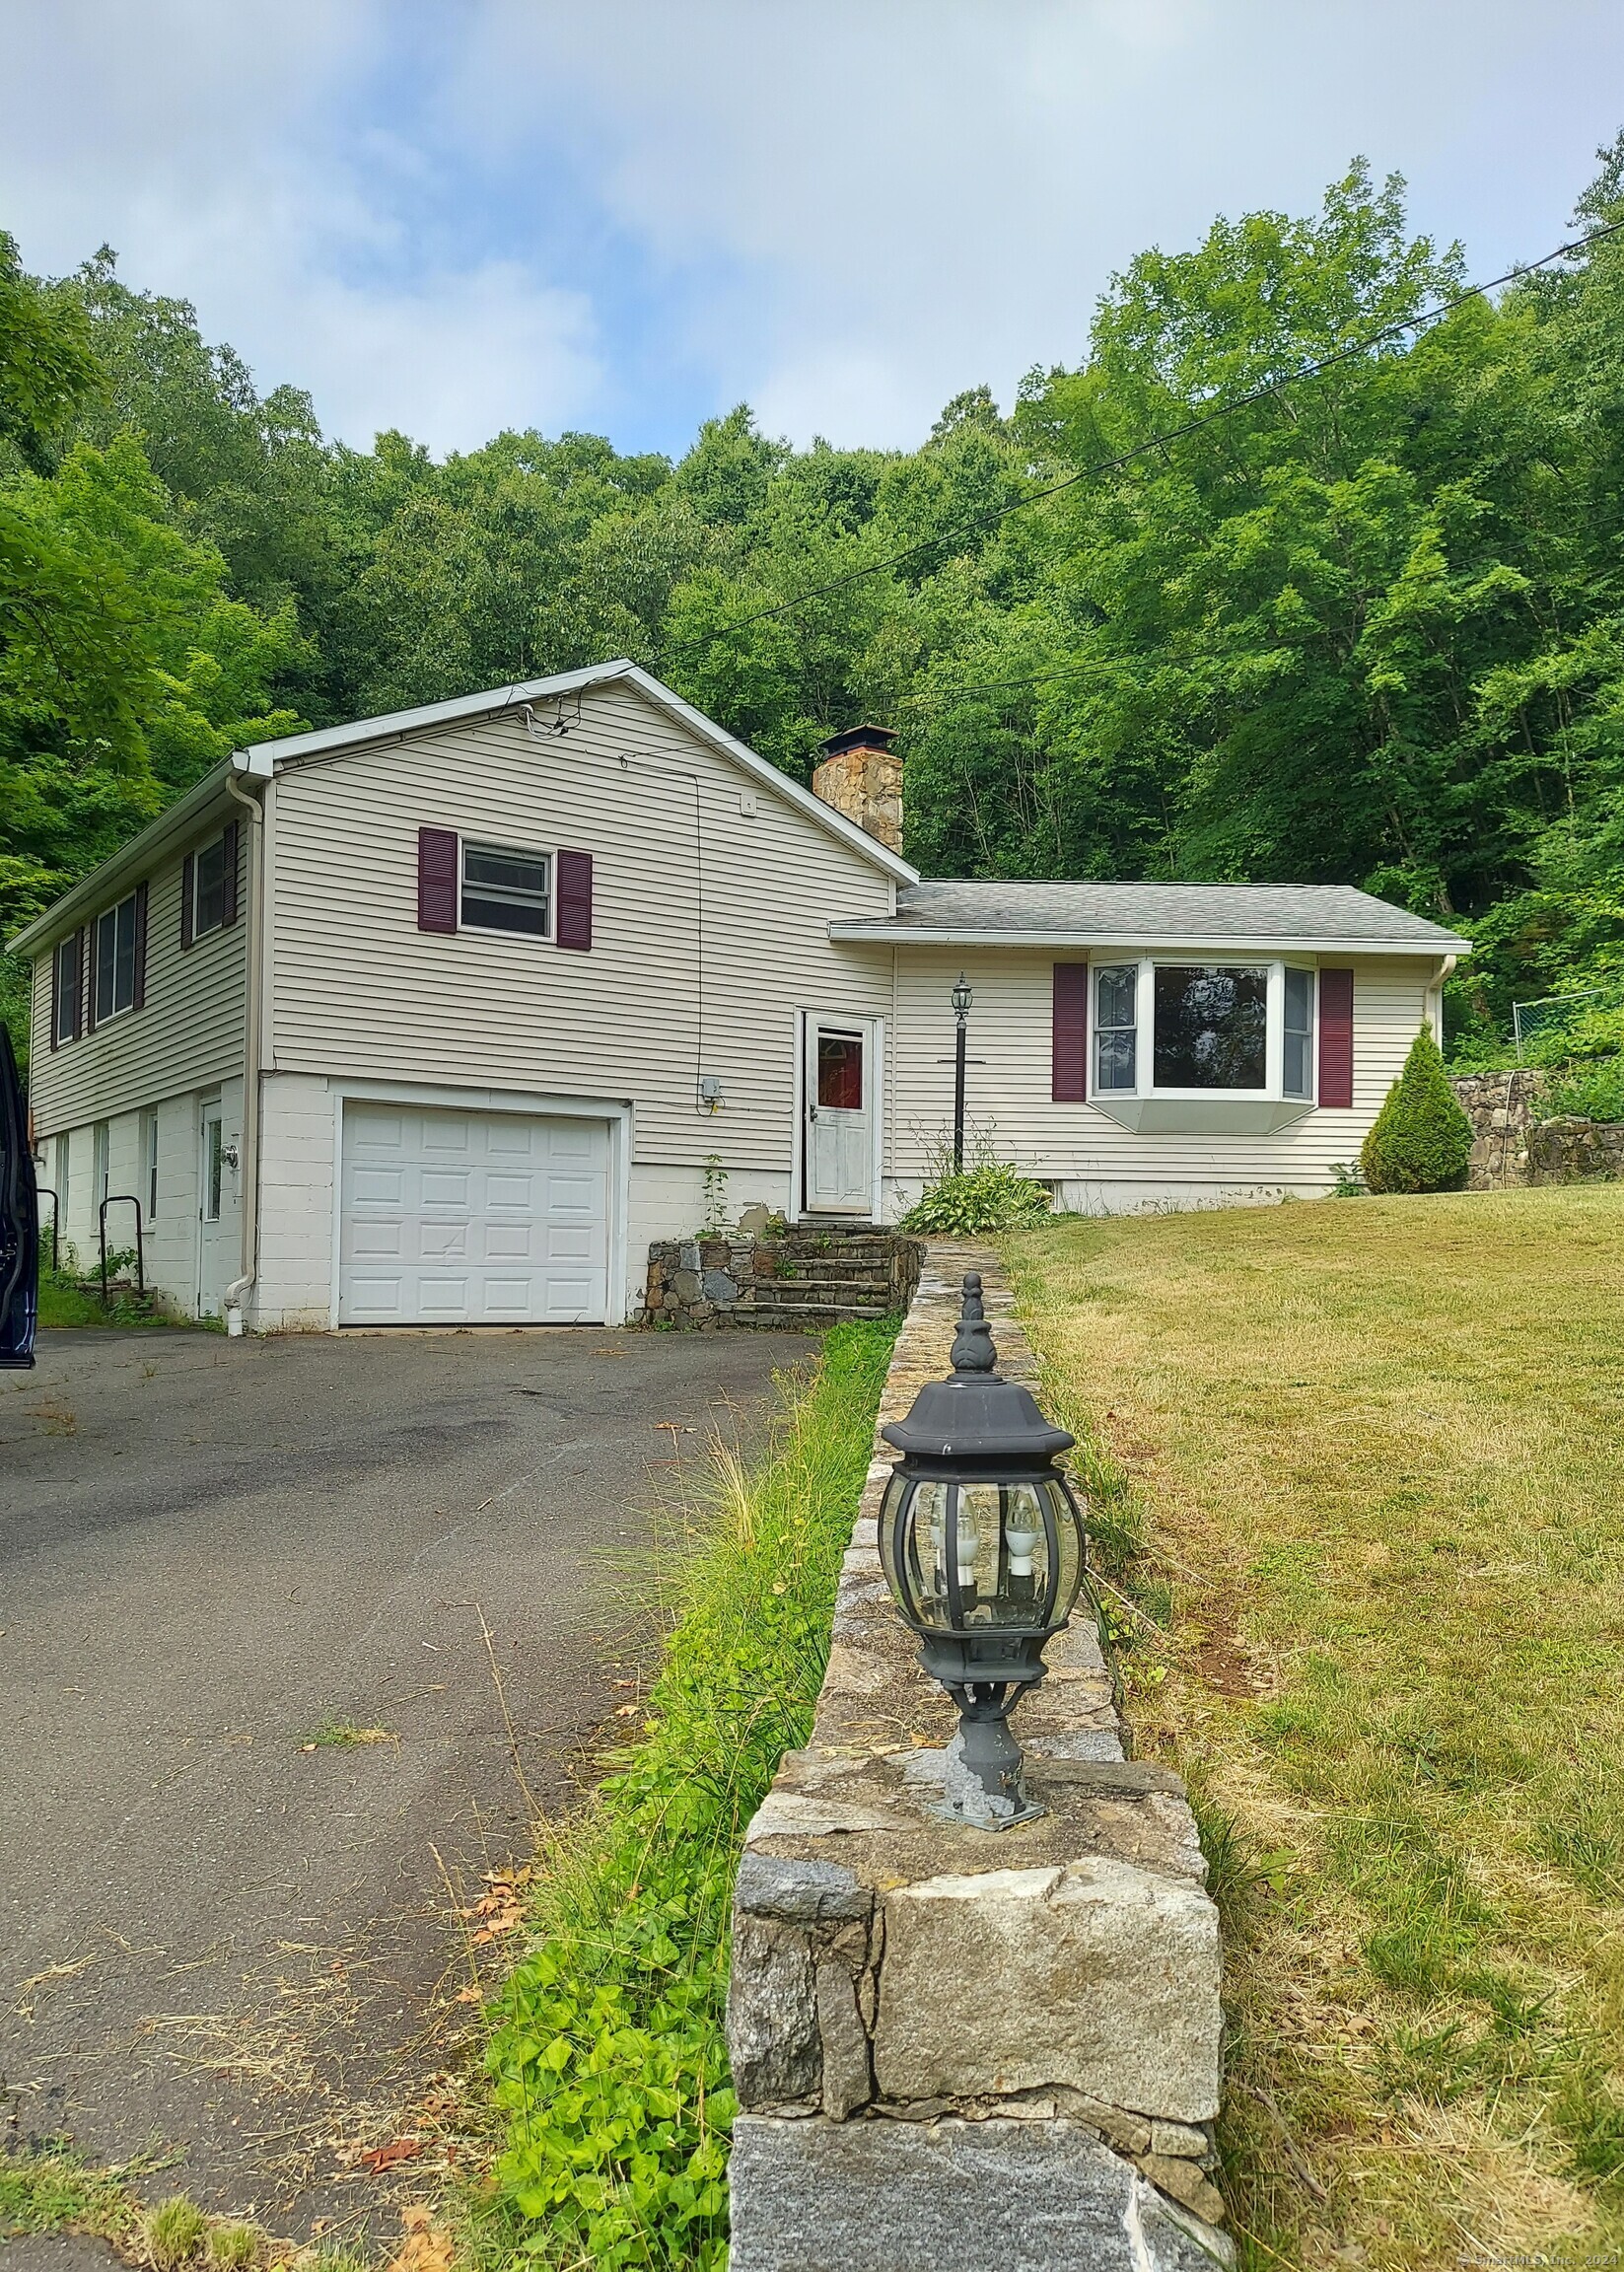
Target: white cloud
(929,192)
(607,211)
(209,146)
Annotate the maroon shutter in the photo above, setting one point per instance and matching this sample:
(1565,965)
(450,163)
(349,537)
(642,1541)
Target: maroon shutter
(574,888)
(188,895)
(1071,1033)
(90,930)
(140,999)
(229,916)
(1336,1039)
(55,993)
(436,855)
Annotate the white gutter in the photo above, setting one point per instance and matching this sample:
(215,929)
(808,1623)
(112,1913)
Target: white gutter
(248,1166)
(1154,942)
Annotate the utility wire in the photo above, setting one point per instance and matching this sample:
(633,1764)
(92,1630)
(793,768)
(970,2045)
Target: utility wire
(1156,442)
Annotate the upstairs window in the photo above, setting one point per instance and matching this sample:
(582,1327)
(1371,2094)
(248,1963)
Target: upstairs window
(68,971)
(506,890)
(208,886)
(118,959)
(209,904)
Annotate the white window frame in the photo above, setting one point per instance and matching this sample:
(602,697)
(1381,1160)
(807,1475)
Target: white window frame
(549,862)
(1274,1053)
(95,1016)
(149,1164)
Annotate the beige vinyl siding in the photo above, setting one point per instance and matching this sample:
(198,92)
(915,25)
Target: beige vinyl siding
(189,1033)
(709,926)
(1008,1095)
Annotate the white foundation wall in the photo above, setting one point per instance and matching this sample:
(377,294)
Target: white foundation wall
(169,1233)
(1097,1165)
(295,1289)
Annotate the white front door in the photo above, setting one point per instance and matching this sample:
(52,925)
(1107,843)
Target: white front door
(473,1219)
(840,1105)
(217,1217)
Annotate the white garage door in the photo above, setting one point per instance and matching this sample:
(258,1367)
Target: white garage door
(472,1218)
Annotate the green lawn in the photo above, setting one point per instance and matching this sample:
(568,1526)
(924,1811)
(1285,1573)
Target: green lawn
(1374,1452)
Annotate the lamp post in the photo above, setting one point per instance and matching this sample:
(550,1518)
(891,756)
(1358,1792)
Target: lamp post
(982,1545)
(962,997)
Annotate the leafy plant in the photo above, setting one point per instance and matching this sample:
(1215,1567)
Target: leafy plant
(987,1194)
(992,1196)
(716,1197)
(1420,1140)
(1586,1092)
(1346,1181)
(607,2054)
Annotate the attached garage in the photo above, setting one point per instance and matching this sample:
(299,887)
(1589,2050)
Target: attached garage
(472,1218)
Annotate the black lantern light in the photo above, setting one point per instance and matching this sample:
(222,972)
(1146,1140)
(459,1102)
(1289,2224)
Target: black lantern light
(982,1543)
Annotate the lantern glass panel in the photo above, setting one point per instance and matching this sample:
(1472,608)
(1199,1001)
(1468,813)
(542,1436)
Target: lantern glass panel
(970,1557)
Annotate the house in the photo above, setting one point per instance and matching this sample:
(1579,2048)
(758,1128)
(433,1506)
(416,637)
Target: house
(443,1016)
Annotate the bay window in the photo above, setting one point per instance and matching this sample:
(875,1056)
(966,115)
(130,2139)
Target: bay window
(1177,1028)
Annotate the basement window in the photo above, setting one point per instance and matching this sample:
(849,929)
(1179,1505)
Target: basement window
(506,890)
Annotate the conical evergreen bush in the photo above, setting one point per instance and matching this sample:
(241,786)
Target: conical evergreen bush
(1421,1139)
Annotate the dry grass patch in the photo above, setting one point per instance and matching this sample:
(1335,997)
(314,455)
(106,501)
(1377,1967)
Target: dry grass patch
(1364,1463)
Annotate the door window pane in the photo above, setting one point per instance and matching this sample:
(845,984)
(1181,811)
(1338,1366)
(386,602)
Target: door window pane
(1211,1026)
(213,1164)
(1115,1019)
(1297,1077)
(840,1071)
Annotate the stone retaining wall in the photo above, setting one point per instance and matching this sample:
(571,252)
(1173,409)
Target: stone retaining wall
(955,2050)
(1512,1146)
(1575,1152)
(1501,1109)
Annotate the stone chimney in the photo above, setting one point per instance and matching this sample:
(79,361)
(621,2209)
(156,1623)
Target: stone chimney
(861,777)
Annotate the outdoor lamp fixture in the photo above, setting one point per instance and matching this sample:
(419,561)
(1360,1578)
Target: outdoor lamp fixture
(962,997)
(982,1543)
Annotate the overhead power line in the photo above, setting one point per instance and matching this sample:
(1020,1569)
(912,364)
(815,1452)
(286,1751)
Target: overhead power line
(992,515)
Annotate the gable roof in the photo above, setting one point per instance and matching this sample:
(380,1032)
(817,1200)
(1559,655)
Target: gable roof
(261,760)
(267,757)
(1322,917)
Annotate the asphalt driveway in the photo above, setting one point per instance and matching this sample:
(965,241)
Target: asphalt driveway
(214,1940)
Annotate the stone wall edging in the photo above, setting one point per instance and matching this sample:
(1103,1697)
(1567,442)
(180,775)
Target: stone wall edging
(917,2008)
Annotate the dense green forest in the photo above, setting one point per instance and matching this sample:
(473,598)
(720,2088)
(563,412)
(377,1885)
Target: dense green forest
(1369,628)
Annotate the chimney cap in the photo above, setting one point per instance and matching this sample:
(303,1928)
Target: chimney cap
(858,738)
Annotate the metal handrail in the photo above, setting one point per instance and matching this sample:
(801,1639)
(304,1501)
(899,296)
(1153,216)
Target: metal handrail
(122,1199)
(44,1192)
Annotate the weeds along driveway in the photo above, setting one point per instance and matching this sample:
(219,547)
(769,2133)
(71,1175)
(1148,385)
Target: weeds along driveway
(212,1554)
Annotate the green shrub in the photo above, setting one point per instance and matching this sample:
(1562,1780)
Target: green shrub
(173,2232)
(990,1196)
(1586,1092)
(607,2055)
(1420,1140)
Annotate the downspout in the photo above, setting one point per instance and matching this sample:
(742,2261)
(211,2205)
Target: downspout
(1434,997)
(248,1180)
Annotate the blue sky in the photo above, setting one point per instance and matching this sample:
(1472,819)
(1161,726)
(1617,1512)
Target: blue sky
(628,215)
